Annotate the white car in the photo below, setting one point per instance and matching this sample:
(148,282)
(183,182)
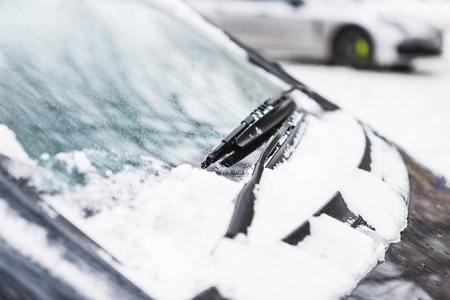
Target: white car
(340,32)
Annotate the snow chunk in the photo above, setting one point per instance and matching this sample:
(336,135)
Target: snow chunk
(76,159)
(350,249)
(11,148)
(164,232)
(387,164)
(329,151)
(334,254)
(381,206)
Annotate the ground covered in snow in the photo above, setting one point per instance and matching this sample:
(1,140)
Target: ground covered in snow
(410,108)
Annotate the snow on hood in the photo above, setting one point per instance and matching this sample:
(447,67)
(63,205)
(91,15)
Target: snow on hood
(168,231)
(326,265)
(166,226)
(322,161)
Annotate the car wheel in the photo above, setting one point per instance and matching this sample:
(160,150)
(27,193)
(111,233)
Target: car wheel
(352,47)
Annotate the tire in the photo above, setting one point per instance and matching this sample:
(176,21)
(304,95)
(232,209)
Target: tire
(353,47)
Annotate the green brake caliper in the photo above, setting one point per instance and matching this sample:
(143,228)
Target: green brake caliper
(362,48)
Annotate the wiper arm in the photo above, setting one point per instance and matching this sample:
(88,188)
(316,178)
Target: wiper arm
(244,209)
(253,130)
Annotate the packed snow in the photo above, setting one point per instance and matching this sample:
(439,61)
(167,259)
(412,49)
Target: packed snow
(11,147)
(387,164)
(320,164)
(166,228)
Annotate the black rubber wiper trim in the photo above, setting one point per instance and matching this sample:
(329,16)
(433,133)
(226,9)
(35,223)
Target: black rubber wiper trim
(277,70)
(244,209)
(253,131)
(367,158)
(335,208)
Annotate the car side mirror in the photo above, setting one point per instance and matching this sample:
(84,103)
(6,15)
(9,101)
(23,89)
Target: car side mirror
(296,3)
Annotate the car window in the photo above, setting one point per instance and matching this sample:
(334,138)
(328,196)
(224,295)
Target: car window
(119,82)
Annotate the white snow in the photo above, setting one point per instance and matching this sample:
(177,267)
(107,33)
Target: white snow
(409,109)
(76,159)
(381,206)
(322,161)
(387,164)
(337,244)
(163,227)
(326,265)
(11,148)
(167,230)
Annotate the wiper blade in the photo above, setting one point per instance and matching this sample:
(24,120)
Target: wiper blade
(277,147)
(253,130)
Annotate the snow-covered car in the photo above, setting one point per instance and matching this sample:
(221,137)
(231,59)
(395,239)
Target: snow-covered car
(144,154)
(342,32)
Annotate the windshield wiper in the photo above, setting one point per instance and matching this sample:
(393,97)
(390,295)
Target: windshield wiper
(277,119)
(253,131)
(275,152)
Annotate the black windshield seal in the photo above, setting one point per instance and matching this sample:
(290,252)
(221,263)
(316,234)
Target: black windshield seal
(275,69)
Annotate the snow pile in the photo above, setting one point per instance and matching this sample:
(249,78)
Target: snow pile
(334,253)
(167,229)
(316,170)
(382,207)
(76,159)
(387,164)
(11,148)
(166,226)
(326,265)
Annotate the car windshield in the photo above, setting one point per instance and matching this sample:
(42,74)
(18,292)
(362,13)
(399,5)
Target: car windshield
(119,81)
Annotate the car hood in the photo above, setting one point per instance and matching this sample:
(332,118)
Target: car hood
(165,229)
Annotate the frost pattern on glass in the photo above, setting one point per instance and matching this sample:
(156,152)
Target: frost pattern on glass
(126,78)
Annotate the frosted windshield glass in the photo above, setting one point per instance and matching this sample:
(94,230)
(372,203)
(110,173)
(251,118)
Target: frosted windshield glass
(123,78)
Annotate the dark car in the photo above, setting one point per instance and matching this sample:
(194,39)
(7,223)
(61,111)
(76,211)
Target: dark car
(144,154)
